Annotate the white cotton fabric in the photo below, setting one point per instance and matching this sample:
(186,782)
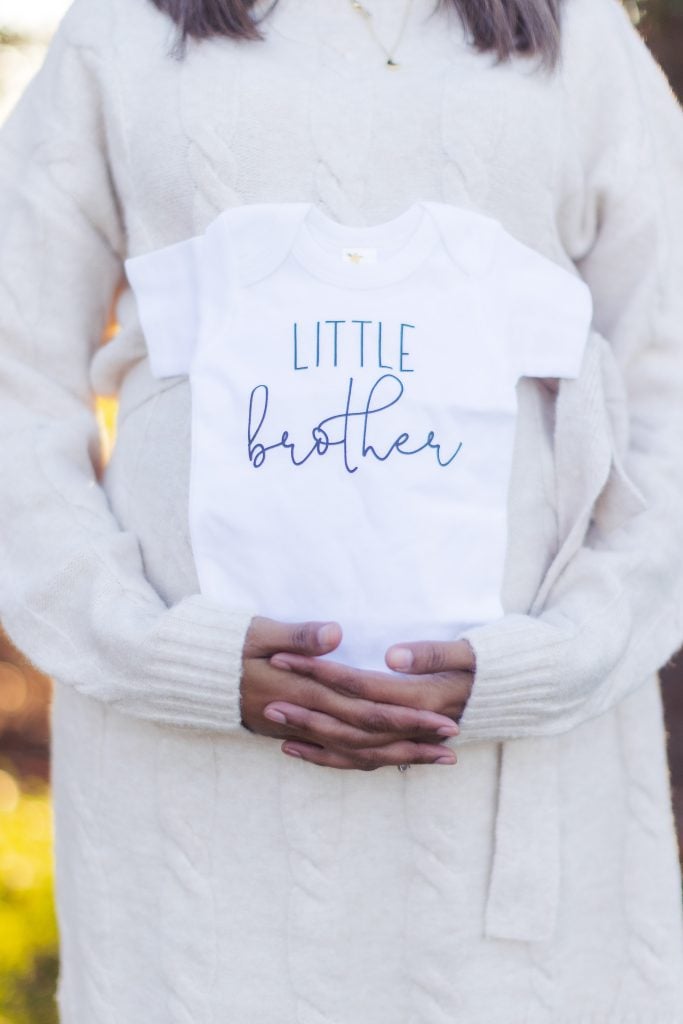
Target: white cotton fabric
(364,409)
(203,876)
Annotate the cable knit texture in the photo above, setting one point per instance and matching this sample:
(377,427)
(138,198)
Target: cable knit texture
(202,876)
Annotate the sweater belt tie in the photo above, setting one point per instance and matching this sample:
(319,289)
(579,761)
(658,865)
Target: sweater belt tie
(524,886)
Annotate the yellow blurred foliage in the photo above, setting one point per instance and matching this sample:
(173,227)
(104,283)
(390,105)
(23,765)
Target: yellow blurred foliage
(28,927)
(106,409)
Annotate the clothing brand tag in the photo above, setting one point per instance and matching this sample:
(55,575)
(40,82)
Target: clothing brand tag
(359,256)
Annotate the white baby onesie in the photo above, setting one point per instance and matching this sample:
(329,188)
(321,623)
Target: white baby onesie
(354,408)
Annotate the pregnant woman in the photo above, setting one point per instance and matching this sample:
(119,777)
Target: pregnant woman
(397,485)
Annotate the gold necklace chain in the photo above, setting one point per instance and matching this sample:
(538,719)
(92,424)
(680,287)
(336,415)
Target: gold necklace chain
(367,18)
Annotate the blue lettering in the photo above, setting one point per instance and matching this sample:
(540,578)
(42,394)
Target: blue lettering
(402,352)
(321,434)
(335,338)
(361,339)
(296,351)
(381,365)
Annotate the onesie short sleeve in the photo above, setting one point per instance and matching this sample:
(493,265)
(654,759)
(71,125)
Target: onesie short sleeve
(550,312)
(165,285)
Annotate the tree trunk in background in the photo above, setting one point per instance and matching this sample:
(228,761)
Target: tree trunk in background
(662,28)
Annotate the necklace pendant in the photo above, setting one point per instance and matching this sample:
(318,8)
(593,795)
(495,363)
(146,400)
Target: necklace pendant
(361,9)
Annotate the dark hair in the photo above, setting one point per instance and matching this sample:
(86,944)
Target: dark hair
(506,27)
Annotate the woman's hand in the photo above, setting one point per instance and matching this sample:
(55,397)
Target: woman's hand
(445,672)
(349,728)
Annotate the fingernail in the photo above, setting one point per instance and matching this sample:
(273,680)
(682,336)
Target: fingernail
(445,760)
(448,730)
(292,753)
(327,635)
(275,716)
(278,662)
(401,658)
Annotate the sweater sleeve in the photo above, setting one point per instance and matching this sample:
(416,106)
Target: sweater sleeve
(73,592)
(614,615)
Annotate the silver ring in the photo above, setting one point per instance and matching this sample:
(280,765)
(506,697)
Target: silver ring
(403,767)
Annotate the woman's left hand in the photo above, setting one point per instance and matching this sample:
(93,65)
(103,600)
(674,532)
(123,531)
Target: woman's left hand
(443,678)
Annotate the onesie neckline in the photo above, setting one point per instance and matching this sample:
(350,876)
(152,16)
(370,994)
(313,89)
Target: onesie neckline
(401,244)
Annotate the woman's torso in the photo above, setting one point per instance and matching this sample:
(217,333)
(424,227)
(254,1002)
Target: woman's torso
(212,879)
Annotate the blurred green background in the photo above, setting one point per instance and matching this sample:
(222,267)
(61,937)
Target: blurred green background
(28,930)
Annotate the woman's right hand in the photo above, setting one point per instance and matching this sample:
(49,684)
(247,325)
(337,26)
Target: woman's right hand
(371,732)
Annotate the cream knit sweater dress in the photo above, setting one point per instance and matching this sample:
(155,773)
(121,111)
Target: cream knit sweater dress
(203,877)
